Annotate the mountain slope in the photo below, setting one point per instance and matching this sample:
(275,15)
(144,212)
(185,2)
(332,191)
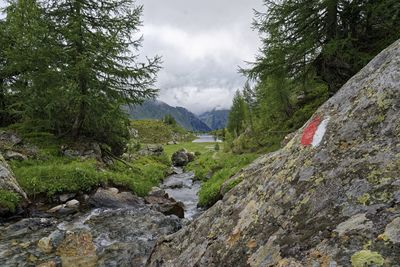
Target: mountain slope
(330,197)
(215,119)
(158,109)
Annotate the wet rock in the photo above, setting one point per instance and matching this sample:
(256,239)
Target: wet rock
(72,204)
(56,209)
(77,249)
(273,219)
(65,197)
(165,205)
(45,245)
(111,199)
(158,192)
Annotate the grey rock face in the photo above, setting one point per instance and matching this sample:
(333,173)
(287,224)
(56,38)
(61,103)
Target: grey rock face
(8,181)
(312,205)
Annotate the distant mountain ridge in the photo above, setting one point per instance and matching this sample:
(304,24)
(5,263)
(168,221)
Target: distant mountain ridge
(155,109)
(215,119)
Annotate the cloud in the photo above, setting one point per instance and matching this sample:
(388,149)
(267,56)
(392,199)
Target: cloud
(202,44)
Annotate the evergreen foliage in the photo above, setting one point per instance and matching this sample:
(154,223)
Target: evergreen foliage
(69,65)
(309,50)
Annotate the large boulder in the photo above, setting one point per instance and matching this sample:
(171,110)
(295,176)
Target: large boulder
(8,183)
(112,198)
(182,157)
(330,197)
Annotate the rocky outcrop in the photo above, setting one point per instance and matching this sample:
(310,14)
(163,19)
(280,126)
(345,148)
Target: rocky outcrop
(10,184)
(330,197)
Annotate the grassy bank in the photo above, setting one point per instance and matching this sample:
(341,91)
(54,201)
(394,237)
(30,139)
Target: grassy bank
(214,168)
(51,173)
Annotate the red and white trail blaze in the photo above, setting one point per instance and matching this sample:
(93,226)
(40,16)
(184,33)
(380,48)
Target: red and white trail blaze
(314,132)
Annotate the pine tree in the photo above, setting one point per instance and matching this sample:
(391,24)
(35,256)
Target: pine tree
(238,115)
(70,65)
(99,45)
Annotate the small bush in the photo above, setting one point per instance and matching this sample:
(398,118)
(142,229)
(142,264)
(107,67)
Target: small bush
(9,200)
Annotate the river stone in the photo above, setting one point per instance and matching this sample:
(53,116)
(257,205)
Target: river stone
(78,249)
(72,204)
(273,219)
(65,197)
(111,199)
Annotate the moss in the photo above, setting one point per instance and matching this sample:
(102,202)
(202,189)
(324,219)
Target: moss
(9,200)
(365,258)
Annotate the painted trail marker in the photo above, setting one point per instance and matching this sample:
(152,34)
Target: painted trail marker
(314,132)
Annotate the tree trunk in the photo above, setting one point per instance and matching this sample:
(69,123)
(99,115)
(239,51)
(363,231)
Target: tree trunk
(81,76)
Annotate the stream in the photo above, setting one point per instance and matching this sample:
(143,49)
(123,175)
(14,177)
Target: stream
(183,188)
(119,236)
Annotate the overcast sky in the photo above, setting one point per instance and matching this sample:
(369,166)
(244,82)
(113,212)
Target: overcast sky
(202,43)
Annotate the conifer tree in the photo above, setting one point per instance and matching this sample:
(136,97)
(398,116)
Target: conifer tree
(237,115)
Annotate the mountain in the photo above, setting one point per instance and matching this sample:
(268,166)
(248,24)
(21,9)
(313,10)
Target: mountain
(215,119)
(155,109)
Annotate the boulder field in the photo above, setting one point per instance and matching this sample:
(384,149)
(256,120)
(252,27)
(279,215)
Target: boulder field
(330,197)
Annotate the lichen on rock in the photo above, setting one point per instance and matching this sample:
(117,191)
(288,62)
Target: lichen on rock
(303,201)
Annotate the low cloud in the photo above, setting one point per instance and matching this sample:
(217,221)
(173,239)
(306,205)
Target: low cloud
(202,46)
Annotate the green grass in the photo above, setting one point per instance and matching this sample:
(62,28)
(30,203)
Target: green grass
(157,132)
(221,166)
(50,173)
(60,175)
(9,200)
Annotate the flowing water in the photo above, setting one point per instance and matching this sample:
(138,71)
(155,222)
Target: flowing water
(183,188)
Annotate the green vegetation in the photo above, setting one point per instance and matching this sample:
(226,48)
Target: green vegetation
(309,50)
(158,132)
(218,167)
(66,67)
(61,175)
(9,200)
(52,173)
